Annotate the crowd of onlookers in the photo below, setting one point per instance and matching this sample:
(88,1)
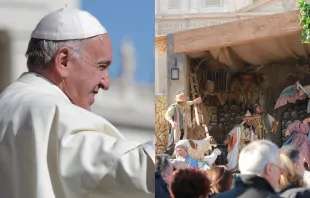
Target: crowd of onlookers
(265,171)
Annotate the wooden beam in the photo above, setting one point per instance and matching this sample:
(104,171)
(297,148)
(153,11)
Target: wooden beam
(238,32)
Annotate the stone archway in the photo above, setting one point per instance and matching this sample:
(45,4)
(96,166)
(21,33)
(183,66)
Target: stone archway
(5,60)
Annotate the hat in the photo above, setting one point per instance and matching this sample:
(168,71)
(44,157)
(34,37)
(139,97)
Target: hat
(247,116)
(181,98)
(209,82)
(68,24)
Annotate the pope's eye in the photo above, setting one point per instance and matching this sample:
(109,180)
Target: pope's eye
(102,67)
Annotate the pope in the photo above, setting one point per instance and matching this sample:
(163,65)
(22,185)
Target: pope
(51,145)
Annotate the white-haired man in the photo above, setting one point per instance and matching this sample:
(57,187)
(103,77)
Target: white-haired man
(51,145)
(260,172)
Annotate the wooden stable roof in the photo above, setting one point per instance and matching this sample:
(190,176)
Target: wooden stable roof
(237,33)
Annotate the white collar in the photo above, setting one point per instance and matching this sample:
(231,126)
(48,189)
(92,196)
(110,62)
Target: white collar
(42,83)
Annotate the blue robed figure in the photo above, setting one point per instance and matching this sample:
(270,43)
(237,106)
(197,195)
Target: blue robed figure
(182,151)
(194,163)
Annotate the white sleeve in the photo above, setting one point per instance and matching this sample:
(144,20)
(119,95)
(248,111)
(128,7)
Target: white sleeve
(190,103)
(88,156)
(132,176)
(149,148)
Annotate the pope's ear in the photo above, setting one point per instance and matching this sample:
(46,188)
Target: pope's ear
(61,62)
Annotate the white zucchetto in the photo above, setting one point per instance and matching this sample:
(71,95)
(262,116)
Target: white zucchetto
(68,24)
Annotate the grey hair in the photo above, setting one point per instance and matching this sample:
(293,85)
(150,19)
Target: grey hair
(255,156)
(162,163)
(40,53)
(291,152)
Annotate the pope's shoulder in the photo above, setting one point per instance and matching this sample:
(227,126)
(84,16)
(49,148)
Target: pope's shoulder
(26,95)
(33,99)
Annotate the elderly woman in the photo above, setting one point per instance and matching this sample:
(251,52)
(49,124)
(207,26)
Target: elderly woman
(298,132)
(221,179)
(182,154)
(291,180)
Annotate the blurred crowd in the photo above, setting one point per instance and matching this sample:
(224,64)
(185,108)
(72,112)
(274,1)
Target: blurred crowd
(265,171)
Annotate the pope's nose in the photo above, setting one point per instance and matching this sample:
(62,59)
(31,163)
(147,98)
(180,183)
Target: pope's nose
(105,84)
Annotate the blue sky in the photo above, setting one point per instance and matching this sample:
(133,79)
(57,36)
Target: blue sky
(128,19)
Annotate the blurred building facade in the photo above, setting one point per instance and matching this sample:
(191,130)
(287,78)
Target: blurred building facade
(17,19)
(128,105)
(177,15)
(130,108)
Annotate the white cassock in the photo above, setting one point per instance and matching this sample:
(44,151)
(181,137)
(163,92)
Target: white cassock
(50,148)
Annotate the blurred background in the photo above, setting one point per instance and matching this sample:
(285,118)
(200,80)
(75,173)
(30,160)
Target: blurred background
(129,104)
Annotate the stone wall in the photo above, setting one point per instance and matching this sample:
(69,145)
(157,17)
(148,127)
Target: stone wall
(265,86)
(230,115)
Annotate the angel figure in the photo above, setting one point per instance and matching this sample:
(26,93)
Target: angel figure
(299,137)
(293,93)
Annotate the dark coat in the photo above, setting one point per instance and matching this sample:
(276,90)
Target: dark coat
(161,188)
(250,186)
(294,191)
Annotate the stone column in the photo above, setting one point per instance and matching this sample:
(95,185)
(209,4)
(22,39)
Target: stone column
(231,5)
(193,5)
(160,74)
(5,60)
(242,3)
(161,105)
(179,61)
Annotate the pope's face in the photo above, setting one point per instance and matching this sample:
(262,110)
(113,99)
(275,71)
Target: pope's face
(89,71)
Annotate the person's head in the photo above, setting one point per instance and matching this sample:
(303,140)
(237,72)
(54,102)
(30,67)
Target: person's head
(287,133)
(189,183)
(181,151)
(73,50)
(221,179)
(181,98)
(247,124)
(164,166)
(261,158)
(292,167)
(257,108)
